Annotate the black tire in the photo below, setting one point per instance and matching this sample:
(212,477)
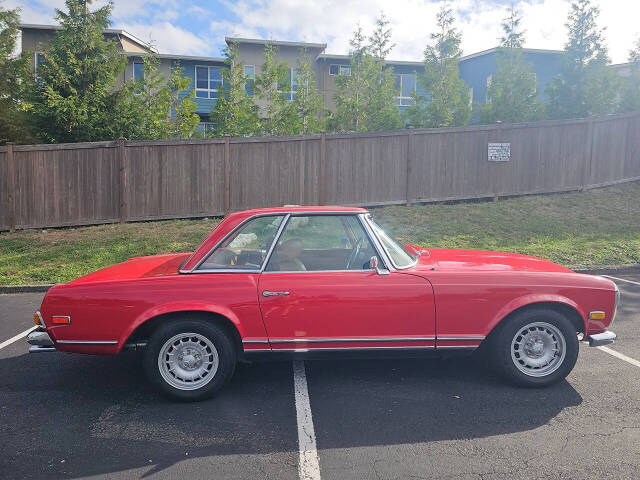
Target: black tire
(500,347)
(217,336)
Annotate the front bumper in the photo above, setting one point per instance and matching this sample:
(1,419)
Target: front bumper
(599,339)
(40,341)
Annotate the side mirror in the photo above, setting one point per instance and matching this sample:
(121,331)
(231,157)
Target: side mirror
(375,265)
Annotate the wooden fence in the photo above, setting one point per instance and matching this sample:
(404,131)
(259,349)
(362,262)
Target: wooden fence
(90,183)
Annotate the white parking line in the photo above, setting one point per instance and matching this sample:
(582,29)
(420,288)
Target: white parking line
(17,337)
(619,355)
(308,464)
(621,279)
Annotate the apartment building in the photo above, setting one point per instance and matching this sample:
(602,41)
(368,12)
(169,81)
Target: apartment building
(205,73)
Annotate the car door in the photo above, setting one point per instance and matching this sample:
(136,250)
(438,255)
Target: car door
(317,291)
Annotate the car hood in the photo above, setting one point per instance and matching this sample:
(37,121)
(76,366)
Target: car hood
(482,260)
(137,267)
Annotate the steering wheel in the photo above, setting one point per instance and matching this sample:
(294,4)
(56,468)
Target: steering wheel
(355,251)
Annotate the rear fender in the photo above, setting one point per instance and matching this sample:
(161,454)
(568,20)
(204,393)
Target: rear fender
(177,307)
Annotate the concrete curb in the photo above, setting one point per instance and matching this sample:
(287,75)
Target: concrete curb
(5,289)
(611,269)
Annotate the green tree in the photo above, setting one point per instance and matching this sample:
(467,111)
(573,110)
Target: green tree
(585,85)
(307,100)
(73,97)
(630,96)
(446,100)
(235,112)
(365,98)
(512,95)
(382,112)
(184,121)
(13,72)
(273,88)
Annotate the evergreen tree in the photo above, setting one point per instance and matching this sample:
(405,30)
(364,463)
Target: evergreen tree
(235,112)
(273,88)
(512,95)
(365,98)
(585,85)
(307,100)
(184,121)
(447,96)
(73,97)
(630,97)
(13,72)
(382,112)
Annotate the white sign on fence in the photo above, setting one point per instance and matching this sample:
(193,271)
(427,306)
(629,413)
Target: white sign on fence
(499,152)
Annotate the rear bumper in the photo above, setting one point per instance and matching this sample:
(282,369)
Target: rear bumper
(40,341)
(599,339)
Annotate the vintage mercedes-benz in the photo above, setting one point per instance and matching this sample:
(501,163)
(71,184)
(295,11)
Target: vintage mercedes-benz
(324,280)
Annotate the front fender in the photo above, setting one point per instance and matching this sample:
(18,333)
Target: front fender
(177,307)
(532,299)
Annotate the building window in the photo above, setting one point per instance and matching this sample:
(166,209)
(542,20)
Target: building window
(208,81)
(344,70)
(471,98)
(406,84)
(249,75)
(38,60)
(138,71)
(487,97)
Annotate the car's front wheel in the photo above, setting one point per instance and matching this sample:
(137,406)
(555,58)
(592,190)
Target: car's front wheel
(189,359)
(535,348)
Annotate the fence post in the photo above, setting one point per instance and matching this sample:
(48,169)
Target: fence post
(410,155)
(322,187)
(122,167)
(586,171)
(227,174)
(301,168)
(11,183)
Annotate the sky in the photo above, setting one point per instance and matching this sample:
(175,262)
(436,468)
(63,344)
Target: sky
(198,27)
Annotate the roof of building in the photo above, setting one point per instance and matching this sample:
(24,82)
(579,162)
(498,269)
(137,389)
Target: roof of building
(176,57)
(497,49)
(282,43)
(113,31)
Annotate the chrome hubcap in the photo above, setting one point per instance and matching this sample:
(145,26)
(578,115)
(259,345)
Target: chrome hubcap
(538,349)
(188,361)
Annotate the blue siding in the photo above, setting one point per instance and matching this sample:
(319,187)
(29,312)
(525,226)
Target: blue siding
(204,105)
(475,71)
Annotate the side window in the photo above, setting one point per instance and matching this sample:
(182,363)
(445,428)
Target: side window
(321,242)
(247,248)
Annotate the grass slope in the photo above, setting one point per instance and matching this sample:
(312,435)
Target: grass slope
(599,227)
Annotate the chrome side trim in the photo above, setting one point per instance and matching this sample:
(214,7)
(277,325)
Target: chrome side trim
(255,341)
(88,342)
(456,346)
(477,337)
(359,339)
(369,270)
(337,349)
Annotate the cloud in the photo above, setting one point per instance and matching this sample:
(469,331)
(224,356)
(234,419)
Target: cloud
(199,26)
(168,38)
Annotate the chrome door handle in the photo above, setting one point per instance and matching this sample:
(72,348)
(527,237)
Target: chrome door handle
(267,293)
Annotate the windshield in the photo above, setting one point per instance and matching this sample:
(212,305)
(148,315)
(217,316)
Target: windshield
(400,257)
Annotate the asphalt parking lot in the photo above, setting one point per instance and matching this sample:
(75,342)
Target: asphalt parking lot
(74,416)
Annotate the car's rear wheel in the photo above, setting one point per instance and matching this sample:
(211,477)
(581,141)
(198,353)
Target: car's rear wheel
(535,347)
(189,359)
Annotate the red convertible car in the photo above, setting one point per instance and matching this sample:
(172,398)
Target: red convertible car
(324,280)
